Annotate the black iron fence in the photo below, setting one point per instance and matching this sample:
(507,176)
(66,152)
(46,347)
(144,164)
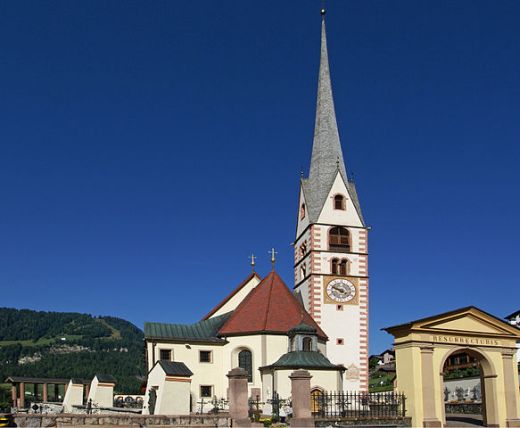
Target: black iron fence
(358,405)
(464,408)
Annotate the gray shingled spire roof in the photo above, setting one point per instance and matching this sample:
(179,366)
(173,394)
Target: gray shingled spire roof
(326,148)
(327,156)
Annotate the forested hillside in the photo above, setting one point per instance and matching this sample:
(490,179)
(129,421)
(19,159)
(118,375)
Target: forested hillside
(65,345)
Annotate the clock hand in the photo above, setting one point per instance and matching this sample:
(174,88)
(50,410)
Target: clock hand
(340,289)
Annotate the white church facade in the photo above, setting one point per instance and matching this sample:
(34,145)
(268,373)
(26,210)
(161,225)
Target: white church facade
(320,324)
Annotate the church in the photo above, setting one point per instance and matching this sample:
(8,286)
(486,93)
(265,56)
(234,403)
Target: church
(319,324)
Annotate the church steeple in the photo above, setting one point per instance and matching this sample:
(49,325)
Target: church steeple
(331,245)
(327,156)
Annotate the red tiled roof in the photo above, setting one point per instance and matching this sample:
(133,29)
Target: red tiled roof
(235,291)
(269,307)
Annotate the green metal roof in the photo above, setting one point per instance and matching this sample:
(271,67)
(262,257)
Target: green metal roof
(302,328)
(304,360)
(204,331)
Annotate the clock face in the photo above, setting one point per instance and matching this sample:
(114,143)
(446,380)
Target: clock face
(341,290)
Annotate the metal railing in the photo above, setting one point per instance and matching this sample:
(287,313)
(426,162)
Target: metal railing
(358,405)
(464,408)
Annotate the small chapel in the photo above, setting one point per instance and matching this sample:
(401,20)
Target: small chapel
(319,323)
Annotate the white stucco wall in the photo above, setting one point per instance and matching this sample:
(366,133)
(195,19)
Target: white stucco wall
(102,394)
(73,397)
(347,217)
(237,298)
(265,349)
(351,323)
(156,378)
(173,393)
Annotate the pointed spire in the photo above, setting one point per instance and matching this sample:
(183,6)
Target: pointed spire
(327,156)
(326,149)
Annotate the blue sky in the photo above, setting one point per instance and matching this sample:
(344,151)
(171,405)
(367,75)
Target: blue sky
(147,148)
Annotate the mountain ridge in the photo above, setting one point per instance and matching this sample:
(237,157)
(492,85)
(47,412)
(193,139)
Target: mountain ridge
(70,344)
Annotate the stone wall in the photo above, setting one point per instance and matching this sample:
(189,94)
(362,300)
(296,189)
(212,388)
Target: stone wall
(65,420)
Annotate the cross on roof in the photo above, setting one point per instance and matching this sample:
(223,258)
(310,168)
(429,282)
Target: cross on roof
(252,257)
(273,256)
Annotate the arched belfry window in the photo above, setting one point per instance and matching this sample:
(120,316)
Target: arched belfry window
(303,249)
(245,361)
(302,211)
(339,202)
(343,267)
(335,266)
(339,239)
(307,344)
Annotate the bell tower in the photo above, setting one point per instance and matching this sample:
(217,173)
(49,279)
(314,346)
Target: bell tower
(331,245)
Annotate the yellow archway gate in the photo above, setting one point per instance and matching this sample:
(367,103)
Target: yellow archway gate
(422,347)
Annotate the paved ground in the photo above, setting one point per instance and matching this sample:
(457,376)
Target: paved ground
(464,420)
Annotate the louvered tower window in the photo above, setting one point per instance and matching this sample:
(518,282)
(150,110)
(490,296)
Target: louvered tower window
(339,239)
(339,202)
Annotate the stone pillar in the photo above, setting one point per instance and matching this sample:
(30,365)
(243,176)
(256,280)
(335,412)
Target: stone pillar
(428,390)
(301,399)
(511,394)
(45,397)
(238,403)
(14,395)
(22,395)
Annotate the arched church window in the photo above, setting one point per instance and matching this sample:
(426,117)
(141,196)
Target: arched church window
(343,267)
(303,249)
(335,266)
(302,211)
(339,202)
(339,239)
(317,401)
(307,344)
(245,361)
(303,271)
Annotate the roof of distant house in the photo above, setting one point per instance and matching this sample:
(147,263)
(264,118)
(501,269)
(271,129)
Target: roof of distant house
(19,379)
(513,315)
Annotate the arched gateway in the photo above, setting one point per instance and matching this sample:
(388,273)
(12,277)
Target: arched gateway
(423,346)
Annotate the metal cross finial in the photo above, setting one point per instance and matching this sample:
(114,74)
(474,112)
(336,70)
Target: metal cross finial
(252,257)
(273,256)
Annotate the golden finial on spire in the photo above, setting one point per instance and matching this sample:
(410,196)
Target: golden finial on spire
(252,257)
(323,11)
(273,257)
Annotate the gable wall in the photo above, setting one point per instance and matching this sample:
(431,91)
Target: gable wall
(347,217)
(234,301)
